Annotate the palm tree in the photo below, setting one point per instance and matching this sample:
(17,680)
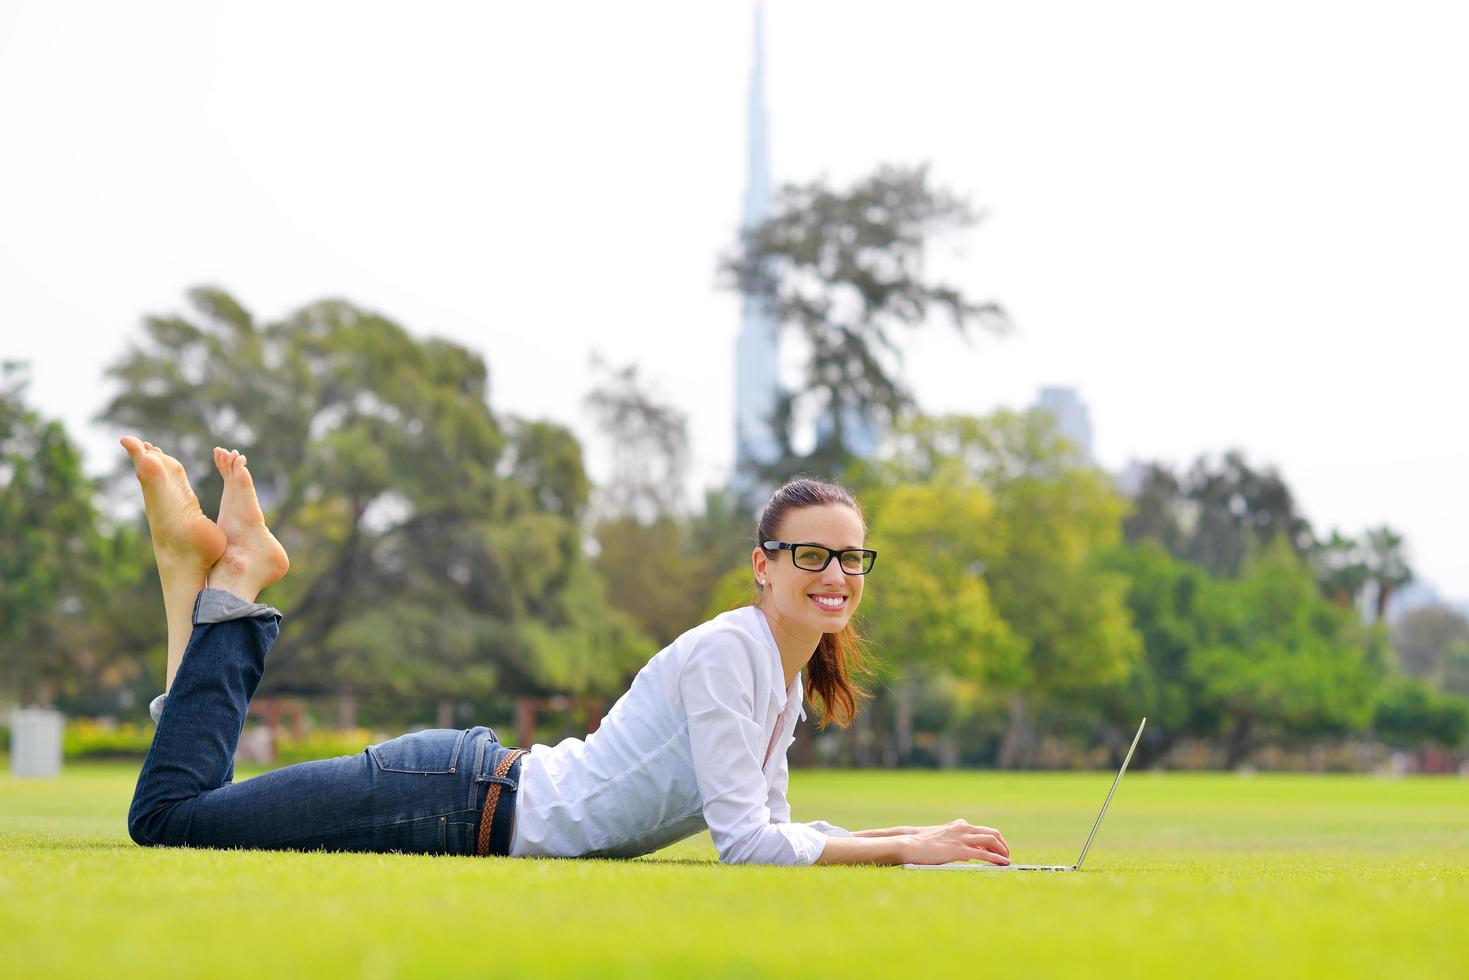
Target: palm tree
(1387,564)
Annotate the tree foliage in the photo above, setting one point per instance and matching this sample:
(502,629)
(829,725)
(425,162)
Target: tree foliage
(1432,644)
(843,269)
(649,442)
(931,606)
(1054,517)
(1409,712)
(52,548)
(1219,514)
(434,546)
(1261,658)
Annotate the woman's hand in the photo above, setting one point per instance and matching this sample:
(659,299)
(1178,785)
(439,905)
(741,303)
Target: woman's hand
(957,840)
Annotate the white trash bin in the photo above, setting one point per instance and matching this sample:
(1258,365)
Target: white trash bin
(35,742)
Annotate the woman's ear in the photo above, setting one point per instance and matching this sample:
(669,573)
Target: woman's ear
(758,562)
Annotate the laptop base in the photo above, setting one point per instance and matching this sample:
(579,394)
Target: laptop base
(961,866)
(983,866)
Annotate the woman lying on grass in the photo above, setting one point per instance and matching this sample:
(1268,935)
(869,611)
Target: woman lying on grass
(699,740)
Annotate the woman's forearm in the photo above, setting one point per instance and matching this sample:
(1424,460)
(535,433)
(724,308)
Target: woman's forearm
(883,832)
(865,848)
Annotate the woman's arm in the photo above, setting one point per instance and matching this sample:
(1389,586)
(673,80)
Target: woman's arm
(957,840)
(864,850)
(885,832)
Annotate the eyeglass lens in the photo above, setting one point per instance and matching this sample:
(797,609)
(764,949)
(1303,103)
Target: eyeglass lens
(813,559)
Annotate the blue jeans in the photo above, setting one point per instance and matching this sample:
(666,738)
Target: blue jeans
(421,793)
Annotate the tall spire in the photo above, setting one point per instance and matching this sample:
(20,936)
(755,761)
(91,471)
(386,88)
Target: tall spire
(757,167)
(757,350)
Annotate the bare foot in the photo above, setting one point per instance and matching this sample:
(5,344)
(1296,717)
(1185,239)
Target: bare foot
(185,542)
(252,558)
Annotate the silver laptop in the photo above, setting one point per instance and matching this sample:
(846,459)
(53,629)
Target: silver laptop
(986,866)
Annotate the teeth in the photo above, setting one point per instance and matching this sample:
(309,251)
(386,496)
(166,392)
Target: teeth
(831,603)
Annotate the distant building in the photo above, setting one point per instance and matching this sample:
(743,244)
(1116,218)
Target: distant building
(757,349)
(860,434)
(1073,419)
(1134,476)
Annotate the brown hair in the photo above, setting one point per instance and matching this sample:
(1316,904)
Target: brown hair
(838,656)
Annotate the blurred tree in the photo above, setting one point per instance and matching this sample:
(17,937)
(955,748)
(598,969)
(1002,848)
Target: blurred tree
(431,546)
(844,269)
(649,441)
(1425,639)
(721,536)
(1218,515)
(1409,713)
(1341,570)
(1173,607)
(51,561)
(1453,674)
(642,537)
(929,611)
(1387,565)
(1281,662)
(1054,517)
(1157,512)
(649,576)
(545,460)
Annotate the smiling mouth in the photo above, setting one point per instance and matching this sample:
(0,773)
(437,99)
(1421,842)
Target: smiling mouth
(829,603)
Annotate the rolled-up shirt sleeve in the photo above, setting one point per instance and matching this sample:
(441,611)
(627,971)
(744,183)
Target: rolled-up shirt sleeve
(718,684)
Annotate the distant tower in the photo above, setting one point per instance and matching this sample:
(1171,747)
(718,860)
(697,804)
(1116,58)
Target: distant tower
(1073,420)
(858,431)
(757,350)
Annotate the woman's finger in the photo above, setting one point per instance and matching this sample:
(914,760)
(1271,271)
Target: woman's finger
(991,830)
(989,840)
(991,856)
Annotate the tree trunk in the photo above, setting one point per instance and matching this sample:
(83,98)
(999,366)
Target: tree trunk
(1238,745)
(862,755)
(947,748)
(346,710)
(903,721)
(1017,750)
(446,713)
(1384,593)
(883,756)
(803,752)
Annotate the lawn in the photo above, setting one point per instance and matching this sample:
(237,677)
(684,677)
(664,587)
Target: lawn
(1197,875)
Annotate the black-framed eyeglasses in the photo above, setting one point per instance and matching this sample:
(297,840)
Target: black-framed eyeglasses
(815,558)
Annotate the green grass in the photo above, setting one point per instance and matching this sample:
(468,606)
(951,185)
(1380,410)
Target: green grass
(1196,875)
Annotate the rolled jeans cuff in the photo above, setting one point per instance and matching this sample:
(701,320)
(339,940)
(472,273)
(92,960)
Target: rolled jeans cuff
(216,606)
(219,606)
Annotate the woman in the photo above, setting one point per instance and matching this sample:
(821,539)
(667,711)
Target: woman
(699,740)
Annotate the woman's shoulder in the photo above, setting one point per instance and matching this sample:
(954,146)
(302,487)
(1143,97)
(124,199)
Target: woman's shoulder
(744,624)
(738,634)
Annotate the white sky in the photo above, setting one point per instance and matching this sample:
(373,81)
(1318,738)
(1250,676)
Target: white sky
(1242,225)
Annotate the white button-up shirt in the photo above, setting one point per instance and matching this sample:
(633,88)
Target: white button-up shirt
(698,741)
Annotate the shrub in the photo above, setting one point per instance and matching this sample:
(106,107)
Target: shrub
(322,743)
(85,738)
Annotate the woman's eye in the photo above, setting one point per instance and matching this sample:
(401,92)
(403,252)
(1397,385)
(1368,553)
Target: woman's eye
(809,557)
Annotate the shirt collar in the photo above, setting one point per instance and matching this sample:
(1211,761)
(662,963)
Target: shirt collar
(778,696)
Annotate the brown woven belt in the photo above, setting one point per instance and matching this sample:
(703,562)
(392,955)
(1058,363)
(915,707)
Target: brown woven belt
(492,798)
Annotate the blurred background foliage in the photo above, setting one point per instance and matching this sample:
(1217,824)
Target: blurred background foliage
(447,560)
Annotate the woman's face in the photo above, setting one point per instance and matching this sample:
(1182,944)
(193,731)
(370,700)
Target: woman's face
(812,602)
